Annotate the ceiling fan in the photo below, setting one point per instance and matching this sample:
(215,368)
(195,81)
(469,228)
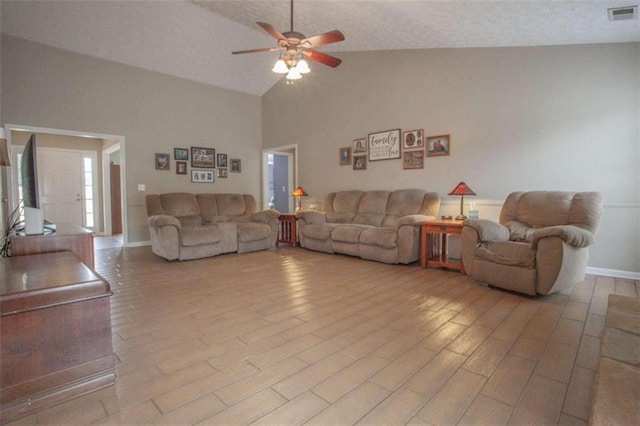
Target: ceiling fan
(294,47)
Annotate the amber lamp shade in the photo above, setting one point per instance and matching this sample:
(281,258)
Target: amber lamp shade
(462,189)
(299,192)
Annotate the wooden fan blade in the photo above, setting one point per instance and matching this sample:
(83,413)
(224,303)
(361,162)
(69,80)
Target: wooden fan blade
(262,49)
(325,38)
(323,58)
(272,31)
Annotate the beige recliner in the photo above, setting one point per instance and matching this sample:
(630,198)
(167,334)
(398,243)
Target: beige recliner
(540,245)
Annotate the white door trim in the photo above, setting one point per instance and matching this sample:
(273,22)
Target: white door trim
(293,171)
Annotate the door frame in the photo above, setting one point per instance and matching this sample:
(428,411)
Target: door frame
(106,184)
(120,140)
(292,152)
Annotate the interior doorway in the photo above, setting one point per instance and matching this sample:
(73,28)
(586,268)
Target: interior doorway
(279,177)
(102,226)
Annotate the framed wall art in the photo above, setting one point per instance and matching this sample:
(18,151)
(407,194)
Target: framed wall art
(438,145)
(162,162)
(181,167)
(221,160)
(345,156)
(359,162)
(235,165)
(202,176)
(413,139)
(413,159)
(223,172)
(181,154)
(203,158)
(359,146)
(384,145)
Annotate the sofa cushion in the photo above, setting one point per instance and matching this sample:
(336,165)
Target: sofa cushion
(372,208)
(318,231)
(347,233)
(208,207)
(402,203)
(253,231)
(231,205)
(507,253)
(195,236)
(381,237)
(190,221)
(180,204)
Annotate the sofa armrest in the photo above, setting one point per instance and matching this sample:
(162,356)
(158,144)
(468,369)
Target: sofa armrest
(488,230)
(161,220)
(414,219)
(572,235)
(266,216)
(312,217)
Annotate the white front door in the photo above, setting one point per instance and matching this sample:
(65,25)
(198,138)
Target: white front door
(60,185)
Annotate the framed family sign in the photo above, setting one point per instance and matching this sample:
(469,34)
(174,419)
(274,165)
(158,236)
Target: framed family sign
(384,145)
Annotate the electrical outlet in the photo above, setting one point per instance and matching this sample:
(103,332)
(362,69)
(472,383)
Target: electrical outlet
(142,187)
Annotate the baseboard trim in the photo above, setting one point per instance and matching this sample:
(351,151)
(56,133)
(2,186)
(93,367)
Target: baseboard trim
(138,244)
(604,272)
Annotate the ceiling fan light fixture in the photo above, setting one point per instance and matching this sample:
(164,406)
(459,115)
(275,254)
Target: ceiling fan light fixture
(280,67)
(303,67)
(294,74)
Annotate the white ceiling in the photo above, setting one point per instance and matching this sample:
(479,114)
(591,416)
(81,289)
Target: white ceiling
(194,39)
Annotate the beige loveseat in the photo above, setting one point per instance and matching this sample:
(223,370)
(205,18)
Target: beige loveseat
(192,226)
(540,245)
(374,225)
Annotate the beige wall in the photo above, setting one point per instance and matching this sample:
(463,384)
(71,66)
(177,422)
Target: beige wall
(562,118)
(51,88)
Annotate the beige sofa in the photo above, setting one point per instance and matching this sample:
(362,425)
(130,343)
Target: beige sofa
(374,225)
(540,245)
(192,226)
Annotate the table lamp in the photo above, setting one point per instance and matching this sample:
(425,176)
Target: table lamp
(462,189)
(299,192)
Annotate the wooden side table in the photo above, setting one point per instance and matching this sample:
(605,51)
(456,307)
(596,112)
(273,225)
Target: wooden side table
(433,244)
(288,229)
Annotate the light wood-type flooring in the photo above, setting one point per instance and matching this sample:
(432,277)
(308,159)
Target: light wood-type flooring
(290,336)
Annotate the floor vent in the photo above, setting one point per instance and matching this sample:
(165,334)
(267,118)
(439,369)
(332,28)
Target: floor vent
(623,13)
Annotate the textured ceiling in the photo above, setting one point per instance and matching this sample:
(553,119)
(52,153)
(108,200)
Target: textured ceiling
(193,39)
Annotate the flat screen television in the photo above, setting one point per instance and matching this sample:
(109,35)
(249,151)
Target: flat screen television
(33,218)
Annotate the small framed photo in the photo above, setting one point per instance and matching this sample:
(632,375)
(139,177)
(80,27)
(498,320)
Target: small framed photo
(180,154)
(345,156)
(202,176)
(181,167)
(359,146)
(223,172)
(413,159)
(203,158)
(162,162)
(413,139)
(221,160)
(235,165)
(359,162)
(438,145)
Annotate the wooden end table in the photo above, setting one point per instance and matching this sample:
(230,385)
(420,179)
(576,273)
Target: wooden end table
(288,229)
(433,244)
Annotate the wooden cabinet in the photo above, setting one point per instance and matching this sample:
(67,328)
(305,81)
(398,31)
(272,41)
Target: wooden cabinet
(55,332)
(288,229)
(67,237)
(433,244)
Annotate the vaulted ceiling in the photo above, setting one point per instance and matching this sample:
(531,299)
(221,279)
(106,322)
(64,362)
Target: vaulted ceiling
(194,39)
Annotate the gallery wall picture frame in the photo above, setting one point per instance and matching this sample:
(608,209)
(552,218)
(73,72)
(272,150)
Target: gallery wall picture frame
(384,145)
(413,159)
(181,154)
(413,139)
(438,145)
(203,158)
(345,156)
(202,176)
(359,162)
(222,160)
(223,172)
(235,165)
(181,167)
(163,162)
(359,146)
